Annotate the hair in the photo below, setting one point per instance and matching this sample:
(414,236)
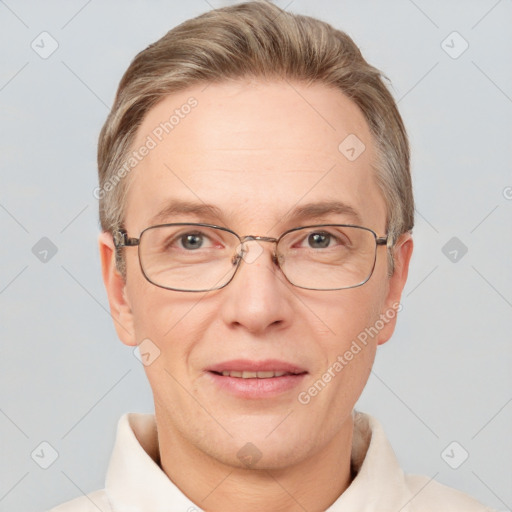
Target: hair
(255,40)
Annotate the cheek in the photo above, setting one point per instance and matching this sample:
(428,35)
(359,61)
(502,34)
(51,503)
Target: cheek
(174,322)
(345,357)
(157,313)
(351,311)
(168,330)
(351,341)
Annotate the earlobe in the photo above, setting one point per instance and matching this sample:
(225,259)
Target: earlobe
(115,285)
(402,256)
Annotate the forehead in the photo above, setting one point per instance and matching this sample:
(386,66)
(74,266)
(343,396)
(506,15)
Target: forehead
(254,150)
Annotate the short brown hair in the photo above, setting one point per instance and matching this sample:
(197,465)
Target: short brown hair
(255,39)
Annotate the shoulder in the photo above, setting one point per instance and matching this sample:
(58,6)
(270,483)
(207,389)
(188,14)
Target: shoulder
(428,495)
(93,502)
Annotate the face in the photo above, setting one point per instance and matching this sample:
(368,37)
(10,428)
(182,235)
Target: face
(257,152)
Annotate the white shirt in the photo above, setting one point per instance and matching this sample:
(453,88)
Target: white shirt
(135,482)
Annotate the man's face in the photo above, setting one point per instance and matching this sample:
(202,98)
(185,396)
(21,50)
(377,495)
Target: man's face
(257,152)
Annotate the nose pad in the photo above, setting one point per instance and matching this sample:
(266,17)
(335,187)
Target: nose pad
(236,258)
(249,253)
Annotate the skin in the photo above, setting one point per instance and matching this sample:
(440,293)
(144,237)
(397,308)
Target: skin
(256,150)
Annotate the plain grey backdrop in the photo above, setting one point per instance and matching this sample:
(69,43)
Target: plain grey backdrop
(441,387)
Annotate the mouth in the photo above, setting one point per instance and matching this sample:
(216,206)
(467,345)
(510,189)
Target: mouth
(256,379)
(253,375)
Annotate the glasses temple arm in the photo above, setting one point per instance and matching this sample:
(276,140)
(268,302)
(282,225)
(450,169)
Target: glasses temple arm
(121,239)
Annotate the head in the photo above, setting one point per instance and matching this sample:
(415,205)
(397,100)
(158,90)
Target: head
(267,117)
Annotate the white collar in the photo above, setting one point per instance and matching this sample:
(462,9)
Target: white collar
(136,483)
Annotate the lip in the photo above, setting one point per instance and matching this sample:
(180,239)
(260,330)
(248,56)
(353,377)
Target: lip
(256,388)
(241,365)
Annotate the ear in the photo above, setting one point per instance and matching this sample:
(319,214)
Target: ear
(402,252)
(115,285)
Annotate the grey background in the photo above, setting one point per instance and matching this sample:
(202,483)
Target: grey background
(445,376)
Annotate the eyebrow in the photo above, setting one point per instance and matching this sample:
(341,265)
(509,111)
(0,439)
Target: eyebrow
(323,209)
(180,207)
(309,211)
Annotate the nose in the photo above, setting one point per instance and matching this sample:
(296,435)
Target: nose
(258,297)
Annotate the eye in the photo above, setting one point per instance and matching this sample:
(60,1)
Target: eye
(191,241)
(319,240)
(324,240)
(185,241)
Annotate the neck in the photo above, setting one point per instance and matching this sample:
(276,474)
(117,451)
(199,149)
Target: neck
(312,484)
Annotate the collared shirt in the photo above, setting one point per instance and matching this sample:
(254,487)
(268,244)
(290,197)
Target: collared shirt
(136,483)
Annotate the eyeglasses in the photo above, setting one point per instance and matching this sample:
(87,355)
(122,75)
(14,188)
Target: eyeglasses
(204,257)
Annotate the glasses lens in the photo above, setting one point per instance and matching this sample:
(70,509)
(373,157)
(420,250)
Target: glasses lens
(327,257)
(188,257)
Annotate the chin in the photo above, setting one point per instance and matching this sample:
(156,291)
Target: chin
(260,453)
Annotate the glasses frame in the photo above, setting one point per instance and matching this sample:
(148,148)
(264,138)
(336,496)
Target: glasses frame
(121,239)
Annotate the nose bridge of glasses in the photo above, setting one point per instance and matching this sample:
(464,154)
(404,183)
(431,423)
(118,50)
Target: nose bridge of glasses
(251,255)
(248,238)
